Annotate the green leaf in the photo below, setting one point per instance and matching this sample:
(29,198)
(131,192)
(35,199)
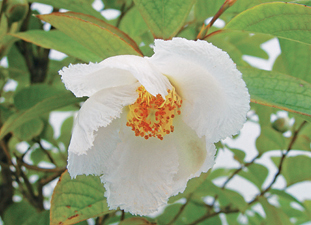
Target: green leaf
(284,20)
(42,107)
(273,215)
(24,211)
(220,172)
(65,132)
(18,70)
(256,174)
(164,18)
(42,218)
(287,62)
(303,139)
(29,96)
(82,6)
(77,199)
(133,24)
(101,40)
(29,129)
(238,43)
(269,139)
(296,169)
(57,40)
(239,155)
(278,90)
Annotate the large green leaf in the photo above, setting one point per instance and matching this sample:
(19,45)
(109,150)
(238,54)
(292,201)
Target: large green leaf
(278,90)
(29,129)
(42,107)
(83,6)
(59,41)
(295,60)
(100,40)
(284,20)
(77,199)
(164,18)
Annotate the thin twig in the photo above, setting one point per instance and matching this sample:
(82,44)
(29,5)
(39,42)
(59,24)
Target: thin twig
(207,216)
(294,138)
(46,170)
(46,152)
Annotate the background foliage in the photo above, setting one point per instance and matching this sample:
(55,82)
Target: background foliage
(32,155)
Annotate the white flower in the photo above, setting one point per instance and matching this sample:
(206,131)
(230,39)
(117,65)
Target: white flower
(135,140)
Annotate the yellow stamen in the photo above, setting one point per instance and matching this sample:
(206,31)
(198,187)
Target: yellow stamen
(152,116)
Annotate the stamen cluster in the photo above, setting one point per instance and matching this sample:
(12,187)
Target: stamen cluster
(152,116)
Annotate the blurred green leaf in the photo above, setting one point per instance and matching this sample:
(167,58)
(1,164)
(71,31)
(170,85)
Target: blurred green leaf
(42,218)
(285,195)
(278,90)
(226,197)
(164,18)
(256,174)
(220,172)
(134,25)
(273,215)
(82,6)
(284,20)
(24,211)
(65,132)
(18,70)
(270,139)
(135,221)
(239,43)
(303,140)
(59,41)
(296,169)
(98,39)
(29,129)
(44,106)
(239,155)
(77,199)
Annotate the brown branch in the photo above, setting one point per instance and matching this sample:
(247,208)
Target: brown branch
(223,8)
(207,216)
(294,138)
(46,170)
(238,170)
(46,152)
(44,181)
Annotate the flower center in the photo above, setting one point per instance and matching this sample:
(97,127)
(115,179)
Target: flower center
(152,116)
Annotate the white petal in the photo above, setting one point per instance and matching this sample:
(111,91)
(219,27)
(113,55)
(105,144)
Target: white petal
(141,173)
(98,111)
(85,80)
(93,162)
(215,99)
(194,155)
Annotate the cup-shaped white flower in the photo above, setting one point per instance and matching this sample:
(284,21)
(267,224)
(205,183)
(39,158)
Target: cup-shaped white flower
(150,124)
